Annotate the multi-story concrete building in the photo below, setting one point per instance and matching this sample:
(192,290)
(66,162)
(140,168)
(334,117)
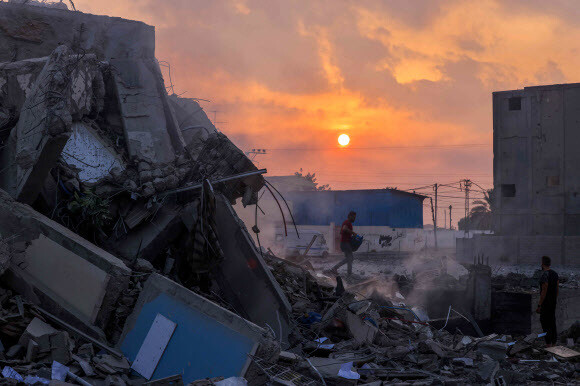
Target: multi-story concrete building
(536,167)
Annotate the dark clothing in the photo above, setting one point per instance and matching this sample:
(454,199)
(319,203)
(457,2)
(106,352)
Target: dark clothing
(344,236)
(346,248)
(551,278)
(548,321)
(548,308)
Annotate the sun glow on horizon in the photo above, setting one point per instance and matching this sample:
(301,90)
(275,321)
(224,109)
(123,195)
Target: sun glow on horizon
(343,139)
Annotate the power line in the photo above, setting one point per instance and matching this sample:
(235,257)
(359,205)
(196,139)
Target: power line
(465,145)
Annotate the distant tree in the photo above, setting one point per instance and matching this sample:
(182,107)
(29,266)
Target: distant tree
(312,178)
(480,216)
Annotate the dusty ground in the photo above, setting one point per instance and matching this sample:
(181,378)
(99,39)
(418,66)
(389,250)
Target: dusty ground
(367,265)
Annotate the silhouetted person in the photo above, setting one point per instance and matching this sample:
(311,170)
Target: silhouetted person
(346,234)
(549,289)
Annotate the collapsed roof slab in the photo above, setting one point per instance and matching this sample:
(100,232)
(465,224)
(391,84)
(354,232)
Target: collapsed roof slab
(244,277)
(32,32)
(55,267)
(150,129)
(208,340)
(68,88)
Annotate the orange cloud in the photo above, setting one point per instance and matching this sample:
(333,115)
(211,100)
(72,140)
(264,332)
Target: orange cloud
(292,75)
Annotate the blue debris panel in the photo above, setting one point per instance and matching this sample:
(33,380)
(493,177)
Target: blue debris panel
(200,346)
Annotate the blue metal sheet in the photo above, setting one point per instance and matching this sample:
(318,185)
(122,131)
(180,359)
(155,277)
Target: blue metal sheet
(200,347)
(374,207)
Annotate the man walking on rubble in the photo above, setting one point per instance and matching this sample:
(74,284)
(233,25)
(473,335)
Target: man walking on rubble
(346,234)
(549,291)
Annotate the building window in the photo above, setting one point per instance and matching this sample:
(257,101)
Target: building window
(553,181)
(508,190)
(515,103)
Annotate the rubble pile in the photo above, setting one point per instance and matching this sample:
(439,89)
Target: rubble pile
(35,350)
(341,338)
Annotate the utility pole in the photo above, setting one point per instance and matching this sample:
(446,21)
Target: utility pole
(466,185)
(432,214)
(450,223)
(435,216)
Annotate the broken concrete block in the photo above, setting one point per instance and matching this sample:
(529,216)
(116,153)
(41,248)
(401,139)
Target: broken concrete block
(85,366)
(496,350)
(60,347)
(15,351)
(86,350)
(44,125)
(58,262)
(362,331)
(119,364)
(193,122)
(35,329)
(430,345)
(142,265)
(487,369)
(32,351)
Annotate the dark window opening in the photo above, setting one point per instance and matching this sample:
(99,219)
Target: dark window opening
(515,103)
(553,181)
(508,190)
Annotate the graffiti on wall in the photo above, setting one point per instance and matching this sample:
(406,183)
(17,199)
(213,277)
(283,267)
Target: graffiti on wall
(387,240)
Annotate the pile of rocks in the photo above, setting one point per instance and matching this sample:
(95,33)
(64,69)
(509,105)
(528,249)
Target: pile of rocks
(37,350)
(341,338)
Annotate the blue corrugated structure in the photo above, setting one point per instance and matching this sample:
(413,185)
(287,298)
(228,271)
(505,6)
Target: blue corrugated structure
(376,207)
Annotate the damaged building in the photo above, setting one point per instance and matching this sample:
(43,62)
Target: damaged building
(124,262)
(536,182)
(104,174)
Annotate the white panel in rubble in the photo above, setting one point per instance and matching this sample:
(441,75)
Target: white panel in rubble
(87,152)
(153,346)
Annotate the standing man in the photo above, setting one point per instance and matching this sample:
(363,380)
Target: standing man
(549,290)
(346,234)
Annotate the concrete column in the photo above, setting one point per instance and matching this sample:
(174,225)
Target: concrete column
(479,290)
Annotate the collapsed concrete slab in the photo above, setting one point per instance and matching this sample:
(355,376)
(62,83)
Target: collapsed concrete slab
(193,122)
(54,267)
(206,340)
(150,130)
(32,32)
(218,157)
(244,277)
(152,237)
(68,88)
(16,82)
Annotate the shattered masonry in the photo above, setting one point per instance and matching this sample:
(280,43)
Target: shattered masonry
(107,185)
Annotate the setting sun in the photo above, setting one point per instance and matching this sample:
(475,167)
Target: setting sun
(343,139)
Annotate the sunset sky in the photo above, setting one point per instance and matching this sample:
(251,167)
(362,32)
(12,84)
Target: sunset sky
(405,79)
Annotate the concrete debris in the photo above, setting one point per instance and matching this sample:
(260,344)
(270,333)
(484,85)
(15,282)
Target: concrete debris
(401,350)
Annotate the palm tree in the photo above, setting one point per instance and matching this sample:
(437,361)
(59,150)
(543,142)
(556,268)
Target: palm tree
(480,216)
